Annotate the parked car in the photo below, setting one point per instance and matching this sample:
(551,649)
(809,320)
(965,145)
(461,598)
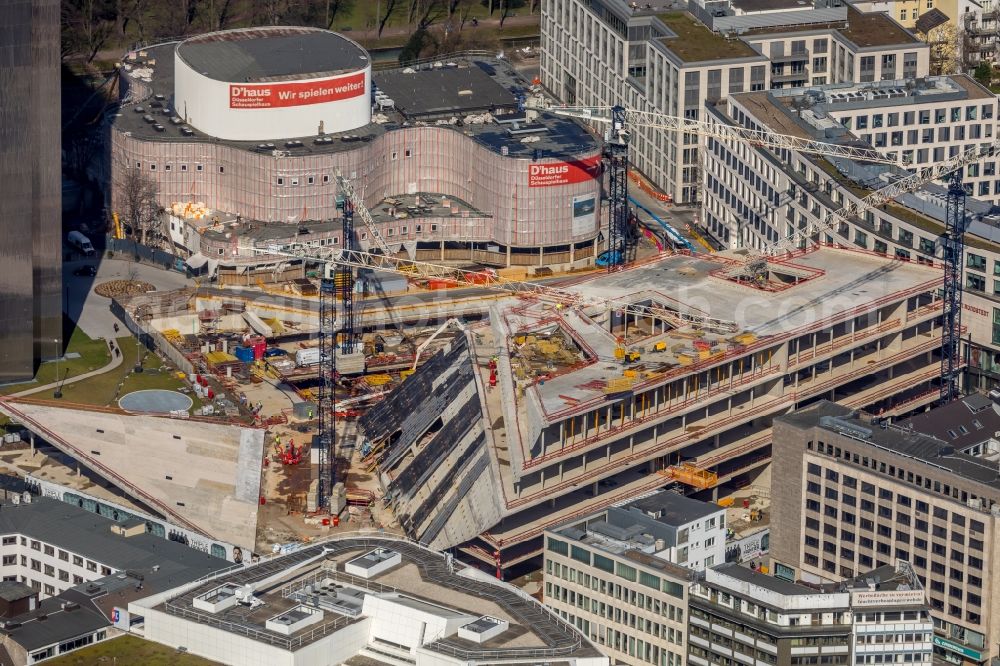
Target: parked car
(85,271)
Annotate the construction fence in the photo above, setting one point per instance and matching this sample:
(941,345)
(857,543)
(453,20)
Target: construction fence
(124,248)
(148,336)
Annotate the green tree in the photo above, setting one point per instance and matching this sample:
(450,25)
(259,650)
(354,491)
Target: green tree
(984,73)
(420,42)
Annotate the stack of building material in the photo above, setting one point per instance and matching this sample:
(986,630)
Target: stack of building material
(219,361)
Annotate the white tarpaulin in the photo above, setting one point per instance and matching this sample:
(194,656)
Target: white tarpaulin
(196,261)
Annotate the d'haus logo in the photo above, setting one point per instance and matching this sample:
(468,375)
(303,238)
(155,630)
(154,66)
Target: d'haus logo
(542,170)
(562,173)
(244,91)
(296,94)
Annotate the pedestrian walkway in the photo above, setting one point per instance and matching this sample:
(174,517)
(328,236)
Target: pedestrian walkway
(116,360)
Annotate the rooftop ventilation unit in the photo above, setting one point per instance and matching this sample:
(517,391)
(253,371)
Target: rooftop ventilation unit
(373,563)
(483,629)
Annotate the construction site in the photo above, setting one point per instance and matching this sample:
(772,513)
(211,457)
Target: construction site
(340,377)
(474,418)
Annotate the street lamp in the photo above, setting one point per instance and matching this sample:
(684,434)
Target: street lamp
(58,392)
(138,355)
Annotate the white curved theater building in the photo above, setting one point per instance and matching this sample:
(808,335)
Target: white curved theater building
(254,124)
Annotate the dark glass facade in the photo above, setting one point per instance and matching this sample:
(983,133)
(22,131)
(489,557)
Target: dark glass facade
(30,187)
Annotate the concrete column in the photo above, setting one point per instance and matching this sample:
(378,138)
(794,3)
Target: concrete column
(31,439)
(442,250)
(508,256)
(541,256)
(572,252)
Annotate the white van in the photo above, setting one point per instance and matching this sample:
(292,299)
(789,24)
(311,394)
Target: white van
(81,243)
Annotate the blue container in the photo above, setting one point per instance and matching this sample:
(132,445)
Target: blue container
(274,351)
(245,354)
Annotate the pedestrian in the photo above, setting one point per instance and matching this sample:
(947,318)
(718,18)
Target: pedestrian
(116,327)
(118,352)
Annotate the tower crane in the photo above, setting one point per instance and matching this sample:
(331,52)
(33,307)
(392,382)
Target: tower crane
(338,282)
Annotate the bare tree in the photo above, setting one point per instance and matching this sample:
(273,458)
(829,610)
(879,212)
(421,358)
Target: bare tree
(945,51)
(140,206)
(465,8)
(332,8)
(87,26)
(81,150)
(383,18)
(217,13)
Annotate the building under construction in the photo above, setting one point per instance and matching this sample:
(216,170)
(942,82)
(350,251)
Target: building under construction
(546,410)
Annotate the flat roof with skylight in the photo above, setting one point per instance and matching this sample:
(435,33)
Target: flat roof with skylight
(293,601)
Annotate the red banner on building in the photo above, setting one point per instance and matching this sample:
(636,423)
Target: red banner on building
(563,173)
(274,95)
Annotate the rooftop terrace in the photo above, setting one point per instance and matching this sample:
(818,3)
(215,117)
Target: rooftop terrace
(864,30)
(874,29)
(696,43)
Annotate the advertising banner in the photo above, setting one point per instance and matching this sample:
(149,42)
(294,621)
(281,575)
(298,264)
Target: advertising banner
(563,173)
(584,210)
(298,93)
(749,547)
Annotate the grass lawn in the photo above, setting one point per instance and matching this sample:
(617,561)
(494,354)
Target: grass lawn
(128,651)
(103,390)
(93,354)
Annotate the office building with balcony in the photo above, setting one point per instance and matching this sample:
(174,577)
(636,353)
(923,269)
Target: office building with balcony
(739,615)
(849,494)
(607,52)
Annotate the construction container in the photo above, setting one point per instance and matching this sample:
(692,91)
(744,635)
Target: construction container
(244,354)
(307,356)
(258,344)
(660,346)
